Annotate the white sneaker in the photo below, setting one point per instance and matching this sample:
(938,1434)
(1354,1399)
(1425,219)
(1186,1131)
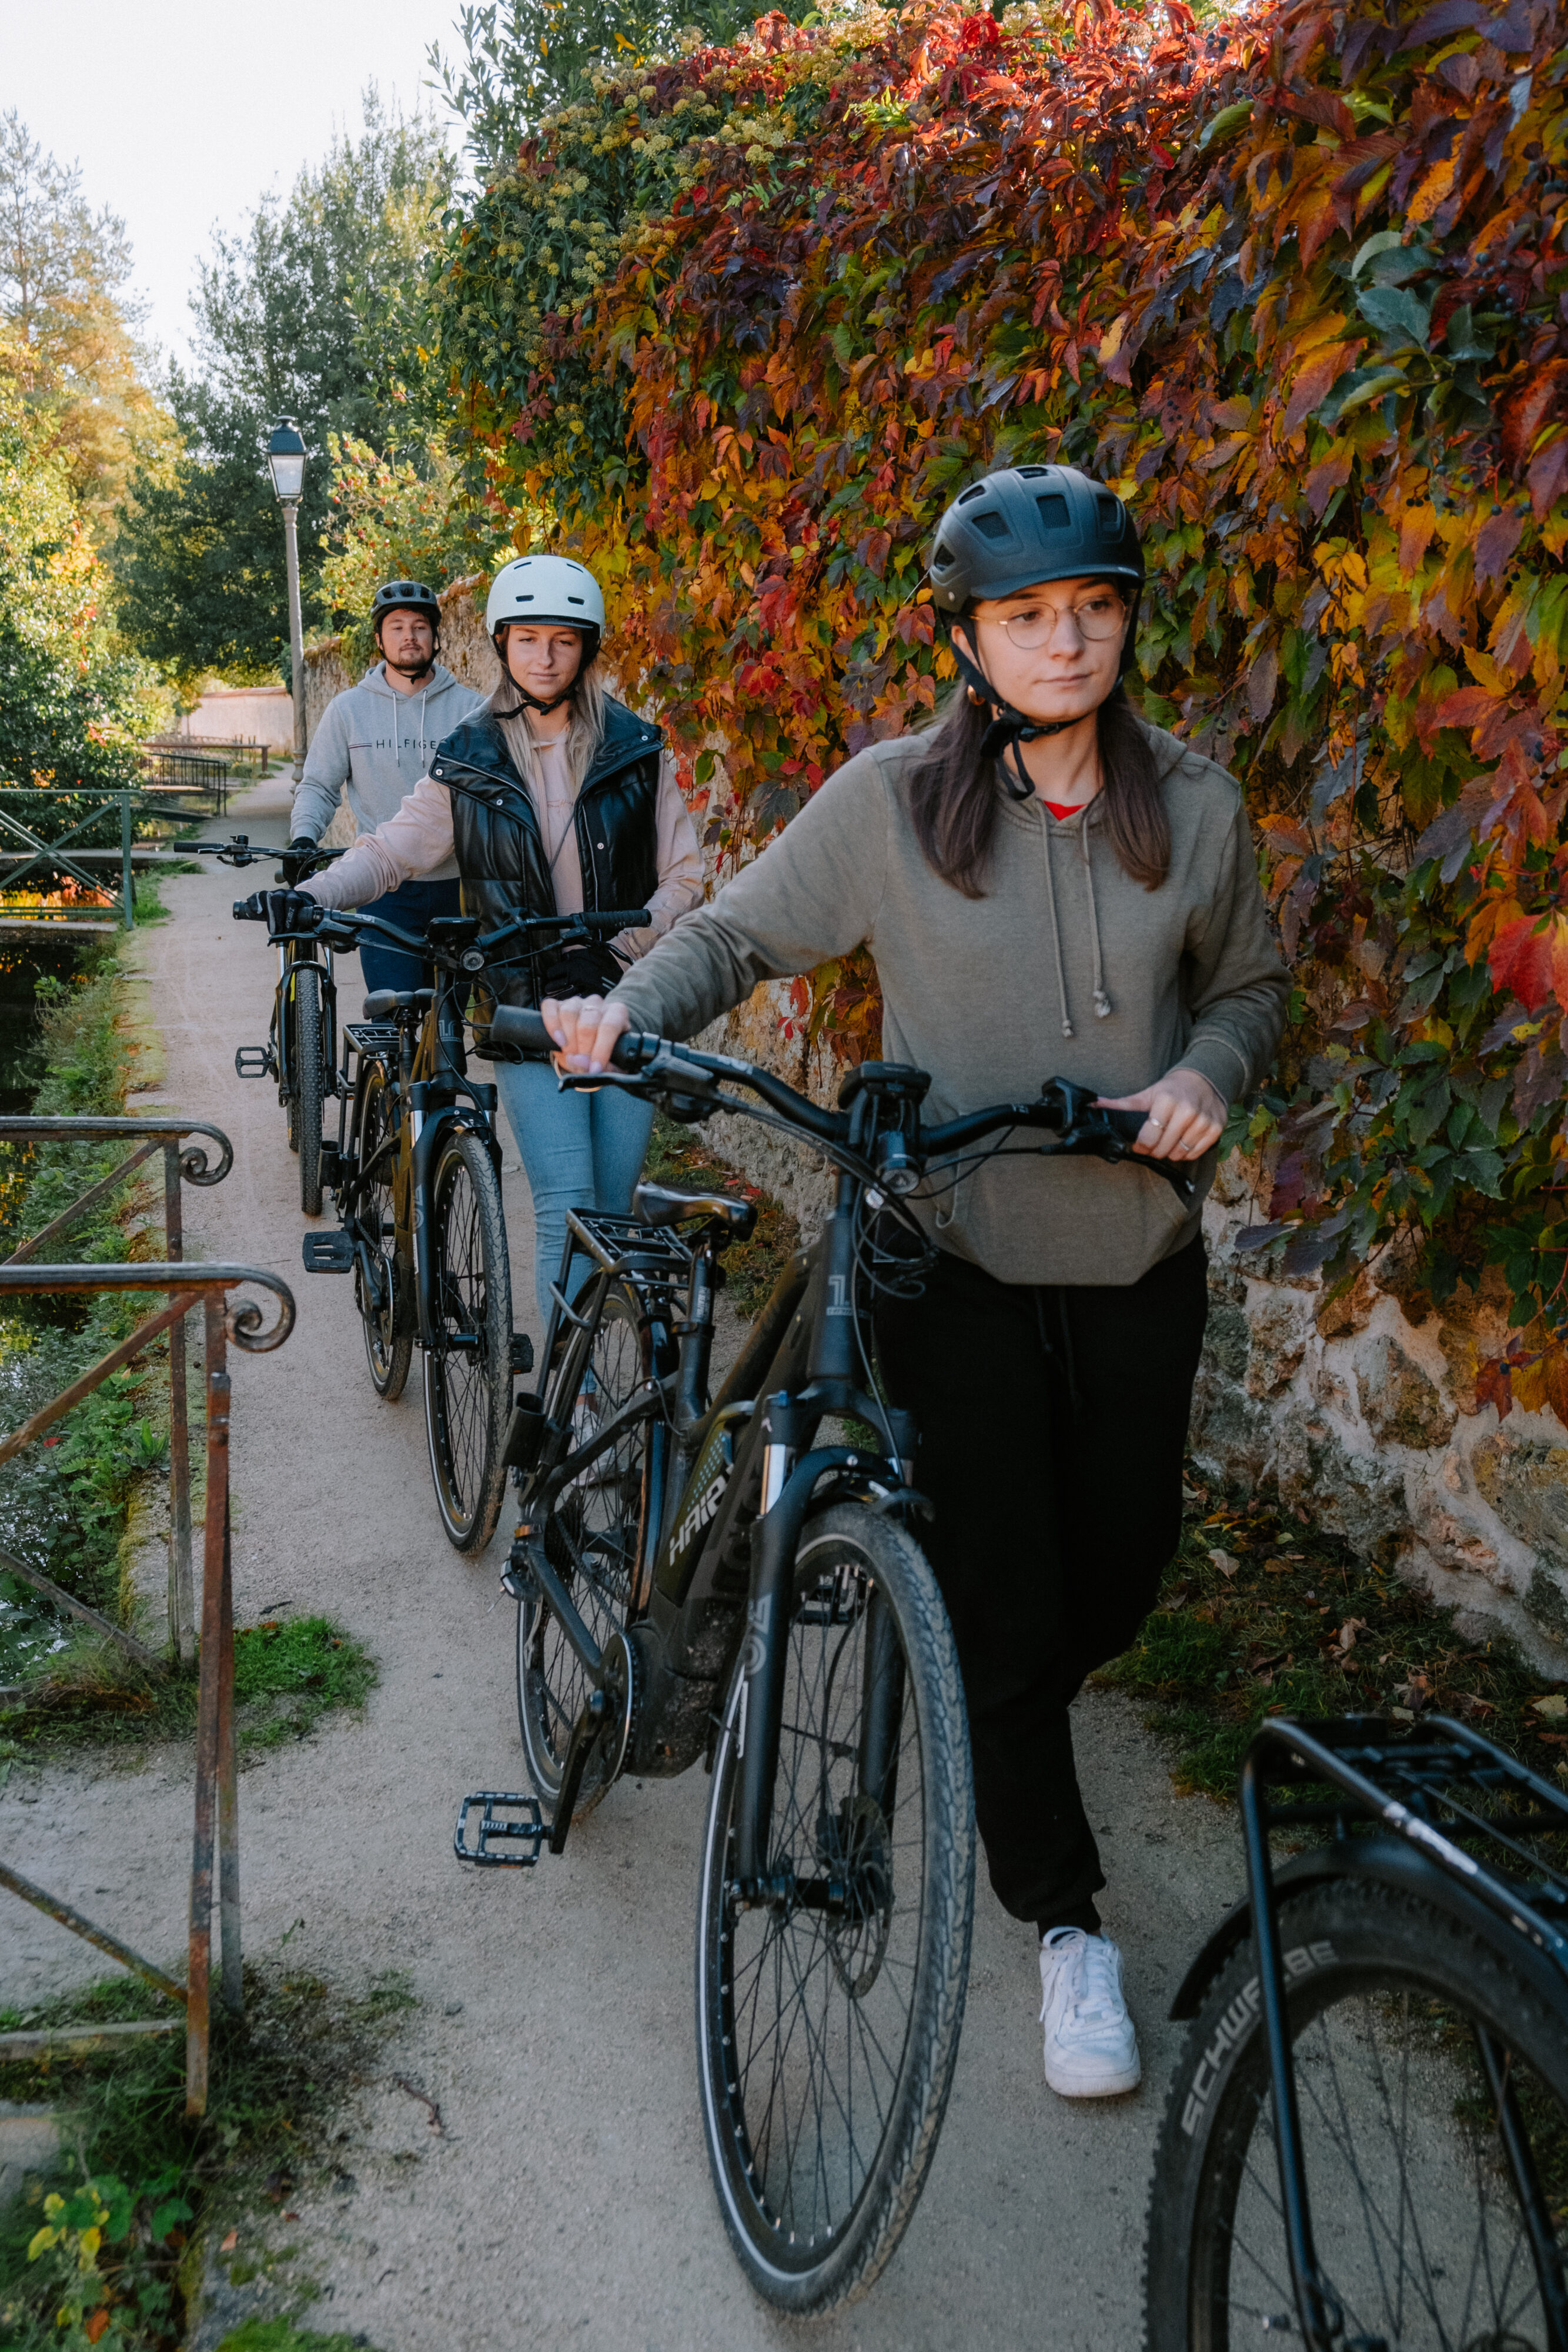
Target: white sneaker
(1090,2048)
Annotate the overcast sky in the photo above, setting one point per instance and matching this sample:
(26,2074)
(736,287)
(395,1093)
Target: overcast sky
(181,113)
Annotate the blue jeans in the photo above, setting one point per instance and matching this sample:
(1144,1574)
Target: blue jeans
(410,908)
(578,1151)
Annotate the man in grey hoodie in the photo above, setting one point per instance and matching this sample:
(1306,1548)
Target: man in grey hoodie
(378,739)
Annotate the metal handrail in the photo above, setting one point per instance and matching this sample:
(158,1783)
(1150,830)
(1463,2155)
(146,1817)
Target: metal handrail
(188,1161)
(217,1800)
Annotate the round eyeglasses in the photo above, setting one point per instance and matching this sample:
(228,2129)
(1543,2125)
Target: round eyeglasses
(1099,615)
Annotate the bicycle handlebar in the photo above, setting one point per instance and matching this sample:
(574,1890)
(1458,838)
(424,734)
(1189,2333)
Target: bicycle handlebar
(1062,1108)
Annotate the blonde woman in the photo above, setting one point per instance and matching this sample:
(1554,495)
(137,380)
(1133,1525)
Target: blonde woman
(553,797)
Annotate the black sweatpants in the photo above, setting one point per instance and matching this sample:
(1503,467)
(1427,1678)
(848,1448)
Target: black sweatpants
(1052,1424)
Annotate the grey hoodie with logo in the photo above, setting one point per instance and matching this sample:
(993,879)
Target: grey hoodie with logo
(380,743)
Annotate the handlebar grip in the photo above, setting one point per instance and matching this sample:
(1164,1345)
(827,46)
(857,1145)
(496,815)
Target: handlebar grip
(245,910)
(518,1024)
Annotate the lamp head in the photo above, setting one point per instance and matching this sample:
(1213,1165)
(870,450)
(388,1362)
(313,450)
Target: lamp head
(286,456)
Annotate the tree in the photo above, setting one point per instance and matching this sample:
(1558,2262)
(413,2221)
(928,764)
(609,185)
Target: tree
(287,315)
(525,57)
(71,708)
(68,332)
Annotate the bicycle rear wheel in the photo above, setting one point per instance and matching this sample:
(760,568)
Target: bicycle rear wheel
(1422,2228)
(594,1539)
(383,1313)
(827,2021)
(468,1360)
(308,1071)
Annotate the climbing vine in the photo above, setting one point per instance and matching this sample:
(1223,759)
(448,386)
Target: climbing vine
(1296,283)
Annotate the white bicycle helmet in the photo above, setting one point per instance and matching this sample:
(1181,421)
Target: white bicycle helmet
(550,589)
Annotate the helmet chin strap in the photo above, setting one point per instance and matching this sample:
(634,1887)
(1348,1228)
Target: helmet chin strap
(1008,728)
(531,701)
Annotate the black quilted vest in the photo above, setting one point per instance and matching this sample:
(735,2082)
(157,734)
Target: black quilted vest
(500,849)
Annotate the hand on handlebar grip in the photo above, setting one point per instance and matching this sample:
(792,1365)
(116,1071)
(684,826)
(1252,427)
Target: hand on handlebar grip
(584,1030)
(292,912)
(296,858)
(1183,1116)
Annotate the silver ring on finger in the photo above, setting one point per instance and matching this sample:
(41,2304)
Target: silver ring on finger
(1156,1122)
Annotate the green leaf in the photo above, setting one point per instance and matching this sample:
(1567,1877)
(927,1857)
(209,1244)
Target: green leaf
(1396,314)
(1227,123)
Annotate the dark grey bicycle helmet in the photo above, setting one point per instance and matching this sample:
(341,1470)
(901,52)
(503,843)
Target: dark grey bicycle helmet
(1026,524)
(405,596)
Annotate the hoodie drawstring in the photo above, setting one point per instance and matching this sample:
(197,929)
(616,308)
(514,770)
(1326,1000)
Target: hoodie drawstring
(1102,1001)
(1055,924)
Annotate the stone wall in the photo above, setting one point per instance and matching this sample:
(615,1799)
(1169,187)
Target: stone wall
(1359,1414)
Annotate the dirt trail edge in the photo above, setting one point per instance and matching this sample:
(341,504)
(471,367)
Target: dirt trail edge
(565,2196)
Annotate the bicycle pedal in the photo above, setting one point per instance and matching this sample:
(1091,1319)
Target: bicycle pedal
(522,1353)
(255,1061)
(329,1252)
(494,1829)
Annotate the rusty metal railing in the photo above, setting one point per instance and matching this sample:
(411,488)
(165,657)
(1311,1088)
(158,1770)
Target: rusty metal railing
(189,1163)
(189,1285)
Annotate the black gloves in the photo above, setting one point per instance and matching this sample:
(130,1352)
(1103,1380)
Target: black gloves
(300,850)
(588,969)
(280,910)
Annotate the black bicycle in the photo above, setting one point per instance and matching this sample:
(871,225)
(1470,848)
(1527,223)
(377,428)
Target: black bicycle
(415,1171)
(701,1578)
(1366,2140)
(300,1049)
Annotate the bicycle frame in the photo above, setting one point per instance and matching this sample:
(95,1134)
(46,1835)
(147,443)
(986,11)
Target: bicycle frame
(430,1083)
(1406,1788)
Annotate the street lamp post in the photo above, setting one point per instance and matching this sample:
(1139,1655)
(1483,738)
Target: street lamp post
(286,456)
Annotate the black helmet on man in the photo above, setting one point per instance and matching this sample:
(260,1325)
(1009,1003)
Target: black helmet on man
(405,597)
(1024,525)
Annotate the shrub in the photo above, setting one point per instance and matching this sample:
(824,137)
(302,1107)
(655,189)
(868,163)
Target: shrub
(1294,283)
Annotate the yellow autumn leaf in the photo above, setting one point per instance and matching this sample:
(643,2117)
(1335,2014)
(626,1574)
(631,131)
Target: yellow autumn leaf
(41,2242)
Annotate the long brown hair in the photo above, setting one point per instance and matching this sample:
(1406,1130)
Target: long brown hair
(954,802)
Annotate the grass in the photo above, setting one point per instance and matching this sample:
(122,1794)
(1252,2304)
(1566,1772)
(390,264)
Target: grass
(165,2184)
(1258,1616)
(676,1156)
(288,1673)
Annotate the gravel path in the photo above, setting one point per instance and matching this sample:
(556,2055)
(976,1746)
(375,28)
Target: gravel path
(566,2197)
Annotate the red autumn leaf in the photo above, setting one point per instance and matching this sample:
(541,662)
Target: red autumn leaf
(1547,476)
(1316,381)
(1496,542)
(1494,1385)
(979,33)
(1467,707)
(1521,958)
(1526,411)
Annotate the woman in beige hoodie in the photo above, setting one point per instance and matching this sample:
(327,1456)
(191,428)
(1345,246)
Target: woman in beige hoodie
(1049,886)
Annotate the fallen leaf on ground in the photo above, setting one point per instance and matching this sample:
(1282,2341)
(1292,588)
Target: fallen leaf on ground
(1224,1562)
(1550,1708)
(230,2242)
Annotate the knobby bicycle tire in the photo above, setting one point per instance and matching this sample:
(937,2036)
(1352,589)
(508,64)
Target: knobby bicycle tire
(827,2037)
(467,1363)
(594,1538)
(307,1098)
(1418,2227)
(385,1316)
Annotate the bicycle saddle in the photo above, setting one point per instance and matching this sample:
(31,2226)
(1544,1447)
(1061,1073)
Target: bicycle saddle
(382,1002)
(657,1205)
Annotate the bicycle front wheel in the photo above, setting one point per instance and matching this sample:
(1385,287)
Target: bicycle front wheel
(307,1099)
(828,2021)
(1432,2080)
(383,1312)
(467,1363)
(594,1538)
